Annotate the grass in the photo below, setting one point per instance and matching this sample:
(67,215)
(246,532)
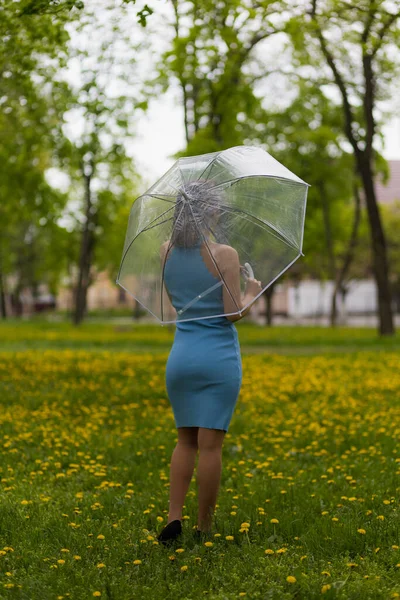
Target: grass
(309,499)
(40,335)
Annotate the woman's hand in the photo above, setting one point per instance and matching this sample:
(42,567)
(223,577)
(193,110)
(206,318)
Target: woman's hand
(253,287)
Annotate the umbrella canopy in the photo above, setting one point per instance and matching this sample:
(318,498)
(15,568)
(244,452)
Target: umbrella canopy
(240,197)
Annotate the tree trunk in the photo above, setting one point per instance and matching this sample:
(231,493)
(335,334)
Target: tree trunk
(268,294)
(16,300)
(341,274)
(379,250)
(86,254)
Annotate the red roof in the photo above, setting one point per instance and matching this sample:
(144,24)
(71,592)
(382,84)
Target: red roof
(391,191)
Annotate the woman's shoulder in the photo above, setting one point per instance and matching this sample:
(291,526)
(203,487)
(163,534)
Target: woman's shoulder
(226,250)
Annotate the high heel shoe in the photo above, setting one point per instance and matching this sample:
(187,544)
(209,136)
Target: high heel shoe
(170,532)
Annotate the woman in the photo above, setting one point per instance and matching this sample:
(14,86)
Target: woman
(204,368)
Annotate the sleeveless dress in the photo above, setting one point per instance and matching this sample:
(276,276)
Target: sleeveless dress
(204,368)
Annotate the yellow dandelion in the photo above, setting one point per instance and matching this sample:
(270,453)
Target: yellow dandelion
(97,594)
(362,531)
(180,550)
(76,557)
(325,573)
(61,561)
(351,564)
(101,566)
(274,521)
(229,538)
(101,537)
(291,579)
(137,562)
(269,551)
(380,517)
(209,544)
(184,568)
(325,588)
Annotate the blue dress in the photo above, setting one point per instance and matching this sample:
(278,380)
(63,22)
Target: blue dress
(204,367)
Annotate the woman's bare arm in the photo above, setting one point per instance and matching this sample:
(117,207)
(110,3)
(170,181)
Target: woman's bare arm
(229,263)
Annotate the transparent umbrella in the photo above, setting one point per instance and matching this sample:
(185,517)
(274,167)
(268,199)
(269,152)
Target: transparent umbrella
(241,197)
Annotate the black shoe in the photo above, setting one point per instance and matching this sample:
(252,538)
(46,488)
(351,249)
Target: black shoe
(170,532)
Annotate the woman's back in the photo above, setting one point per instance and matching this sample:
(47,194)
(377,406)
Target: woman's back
(194,284)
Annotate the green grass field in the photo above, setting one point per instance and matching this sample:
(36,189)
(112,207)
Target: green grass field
(309,500)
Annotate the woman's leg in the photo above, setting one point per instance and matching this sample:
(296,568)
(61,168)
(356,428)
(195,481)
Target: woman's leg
(209,471)
(181,470)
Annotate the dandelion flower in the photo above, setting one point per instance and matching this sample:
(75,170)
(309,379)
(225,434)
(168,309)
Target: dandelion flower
(325,588)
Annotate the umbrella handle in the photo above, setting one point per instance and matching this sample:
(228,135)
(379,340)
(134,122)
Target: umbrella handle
(250,272)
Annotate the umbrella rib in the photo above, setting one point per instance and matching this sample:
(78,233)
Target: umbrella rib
(156,225)
(189,304)
(241,210)
(163,270)
(210,164)
(160,198)
(136,236)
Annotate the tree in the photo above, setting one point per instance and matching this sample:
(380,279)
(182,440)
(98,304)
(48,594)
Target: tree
(32,52)
(41,7)
(306,136)
(212,48)
(98,158)
(355,41)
